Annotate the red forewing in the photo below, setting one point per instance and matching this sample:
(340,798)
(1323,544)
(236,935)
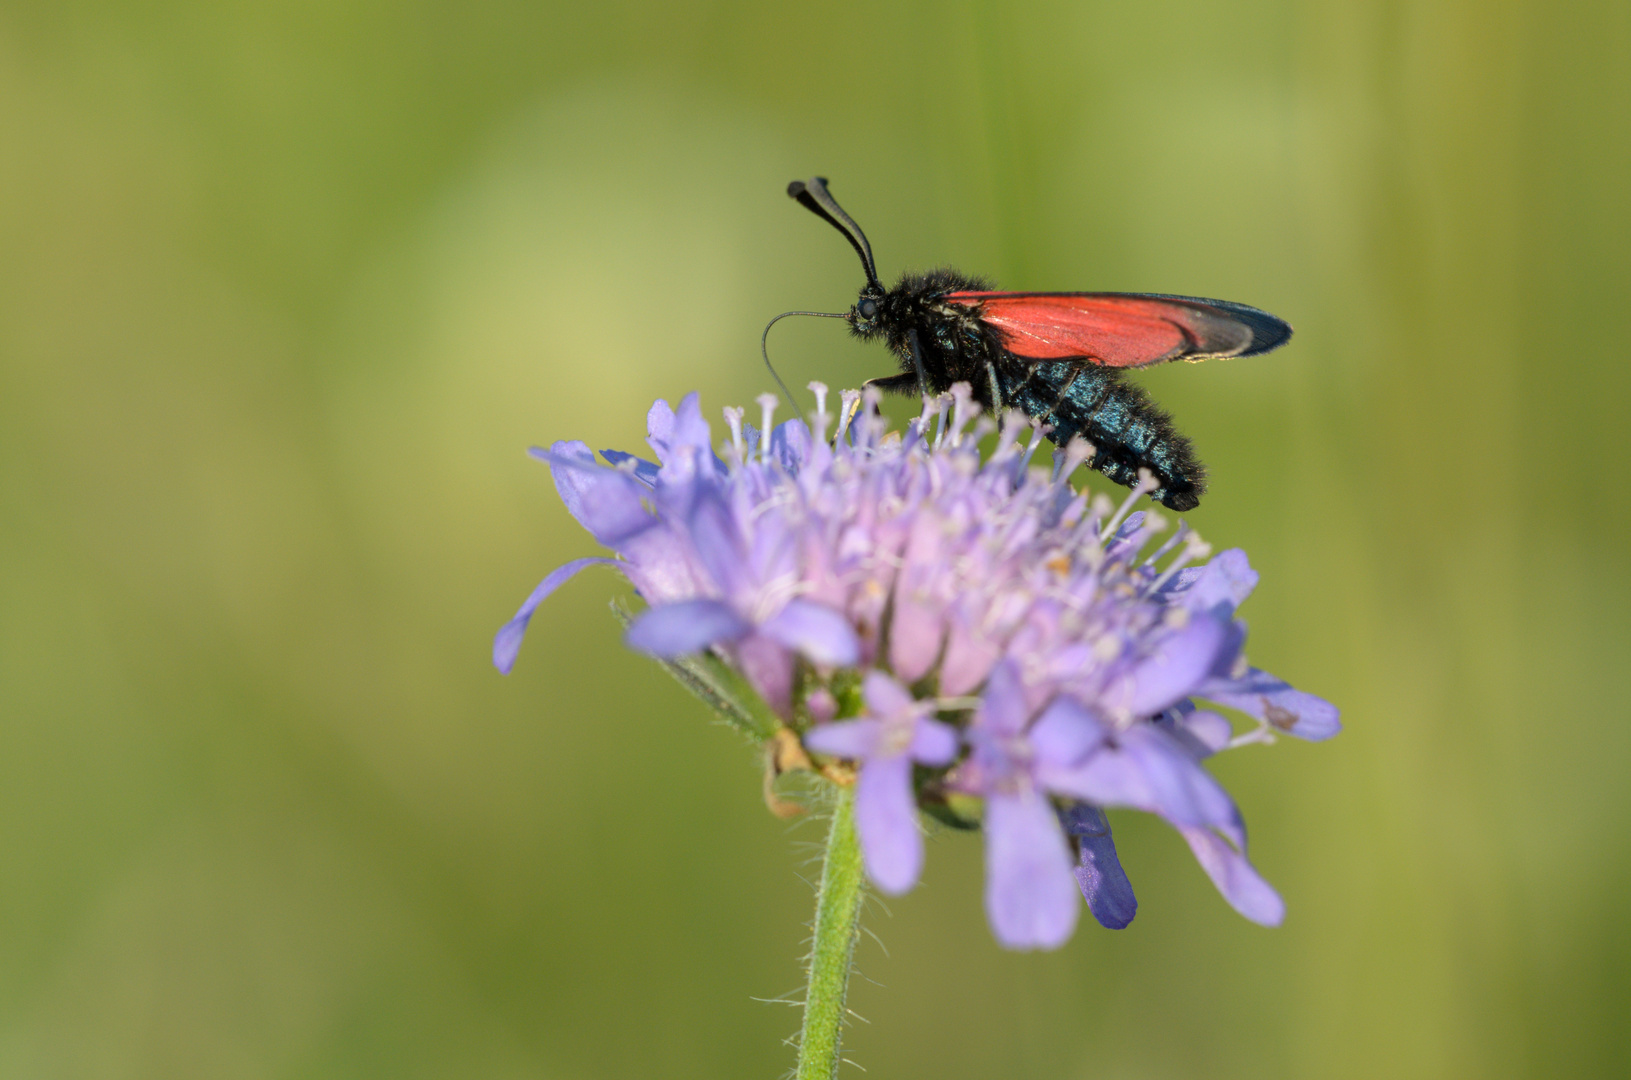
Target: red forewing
(1123,330)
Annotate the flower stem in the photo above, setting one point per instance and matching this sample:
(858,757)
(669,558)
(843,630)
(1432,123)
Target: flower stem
(837,921)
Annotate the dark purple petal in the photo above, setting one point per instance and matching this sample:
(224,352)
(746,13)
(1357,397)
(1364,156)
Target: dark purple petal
(687,626)
(1235,877)
(1003,709)
(1030,892)
(854,739)
(1275,702)
(1065,733)
(1103,882)
(507,642)
(1179,663)
(644,471)
(933,743)
(818,632)
(886,817)
(609,503)
(1146,769)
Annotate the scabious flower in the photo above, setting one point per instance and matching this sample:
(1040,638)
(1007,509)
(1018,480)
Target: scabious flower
(971,635)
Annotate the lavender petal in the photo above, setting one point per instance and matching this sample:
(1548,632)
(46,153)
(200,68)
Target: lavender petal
(507,642)
(1236,878)
(662,567)
(1276,703)
(609,503)
(1030,891)
(1201,732)
(687,626)
(933,743)
(884,696)
(853,739)
(1219,587)
(818,632)
(718,543)
(660,428)
(672,433)
(915,634)
(690,427)
(1125,544)
(918,626)
(1003,710)
(969,658)
(1065,733)
(1179,663)
(886,817)
(790,445)
(1146,769)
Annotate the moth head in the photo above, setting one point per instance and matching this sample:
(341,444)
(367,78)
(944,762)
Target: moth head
(865,318)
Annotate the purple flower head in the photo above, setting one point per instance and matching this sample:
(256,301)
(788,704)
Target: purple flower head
(1015,642)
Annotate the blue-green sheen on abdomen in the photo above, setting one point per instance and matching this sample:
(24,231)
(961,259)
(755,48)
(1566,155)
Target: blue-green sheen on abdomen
(1125,427)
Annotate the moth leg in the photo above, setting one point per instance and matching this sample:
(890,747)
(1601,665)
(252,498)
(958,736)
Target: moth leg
(849,413)
(894,384)
(996,391)
(917,362)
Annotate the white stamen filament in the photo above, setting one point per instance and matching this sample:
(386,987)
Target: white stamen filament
(1070,457)
(1172,542)
(1262,733)
(1195,548)
(1146,484)
(733,420)
(767,409)
(821,415)
(1034,445)
(963,409)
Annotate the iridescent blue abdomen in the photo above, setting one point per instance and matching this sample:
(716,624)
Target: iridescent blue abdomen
(1128,431)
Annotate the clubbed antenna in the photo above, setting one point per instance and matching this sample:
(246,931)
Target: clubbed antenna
(814,197)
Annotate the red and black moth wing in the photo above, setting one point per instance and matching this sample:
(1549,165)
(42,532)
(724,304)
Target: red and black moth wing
(1123,330)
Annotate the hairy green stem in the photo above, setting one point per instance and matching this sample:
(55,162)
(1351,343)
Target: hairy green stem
(837,921)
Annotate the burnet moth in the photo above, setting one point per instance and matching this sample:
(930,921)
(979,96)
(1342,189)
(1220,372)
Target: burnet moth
(1057,356)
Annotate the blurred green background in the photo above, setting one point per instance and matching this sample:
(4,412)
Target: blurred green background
(287,289)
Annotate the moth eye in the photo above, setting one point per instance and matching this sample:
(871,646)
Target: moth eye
(867,308)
